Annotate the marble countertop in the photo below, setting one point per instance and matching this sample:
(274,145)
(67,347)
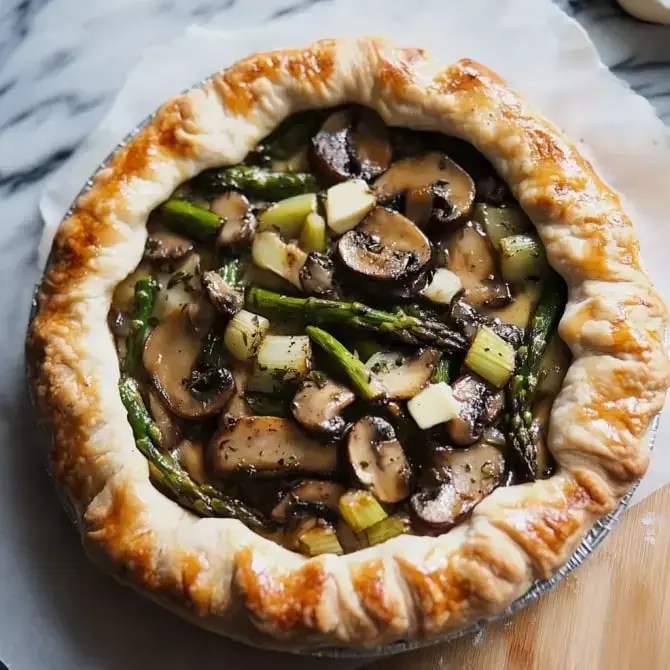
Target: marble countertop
(61,63)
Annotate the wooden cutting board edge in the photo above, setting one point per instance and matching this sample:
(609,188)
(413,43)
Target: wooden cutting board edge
(613,613)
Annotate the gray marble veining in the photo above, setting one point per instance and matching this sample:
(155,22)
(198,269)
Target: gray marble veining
(61,62)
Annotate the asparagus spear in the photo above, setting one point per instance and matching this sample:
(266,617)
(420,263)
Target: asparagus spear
(146,290)
(522,386)
(231,270)
(291,135)
(190,220)
(364,383)
(397,325)
(445,371)
(256,182)
(166,471)
(366,347)
(359,375)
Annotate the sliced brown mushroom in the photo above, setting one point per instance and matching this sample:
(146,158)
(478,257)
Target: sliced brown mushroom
(465,318)
(167,423)
(166,246)
(409,288)
(385,246)
(352,142)
(469,254)
(170,355)
(369,143)
(238,406)
(317,275)
(404,381)
(268,446)
(378,460)
(434,187)
(463,479)
(239,221)
(480,407)
(318,407)
(227,300)
(316,493)
(329,148)
(191,456)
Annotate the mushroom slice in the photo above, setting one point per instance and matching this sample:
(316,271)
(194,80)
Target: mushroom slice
(409,288)
(471,257)
(168,425)
(317,274)
(369,143)
(352,142)
(166,246)
(239,221)
(467,320)
(480,407)
(329,150)
(386,245)
(170,354)
(467,477)
(318,406)
(268,446)
(224,297)
(378,459)
(320,496)
(403,381)
(433,174)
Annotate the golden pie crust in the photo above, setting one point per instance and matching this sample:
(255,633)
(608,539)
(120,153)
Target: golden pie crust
(219,573)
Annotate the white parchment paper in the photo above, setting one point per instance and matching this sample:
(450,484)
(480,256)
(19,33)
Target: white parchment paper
(542,53)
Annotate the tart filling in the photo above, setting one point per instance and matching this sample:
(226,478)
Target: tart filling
(350,336)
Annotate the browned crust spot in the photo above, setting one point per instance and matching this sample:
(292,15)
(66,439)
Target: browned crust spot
(368,580)
(288,602)
(442,591)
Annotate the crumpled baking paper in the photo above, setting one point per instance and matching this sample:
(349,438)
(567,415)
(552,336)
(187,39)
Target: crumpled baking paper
(536,47)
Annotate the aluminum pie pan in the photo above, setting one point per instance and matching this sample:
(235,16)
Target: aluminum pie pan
(591,541)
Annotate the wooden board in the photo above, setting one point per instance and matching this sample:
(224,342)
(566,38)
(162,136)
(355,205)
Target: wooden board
(613,613)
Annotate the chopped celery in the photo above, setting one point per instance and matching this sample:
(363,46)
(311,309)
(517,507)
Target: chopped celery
(179,288)
(270,252)
(347,203)
(313,234)
(320,540)
(244,334)
(280,359)
(444,285)
(522,257)
(387,528)
(288,215)
(500,222)
(491,357)
(360,509)
(433,405)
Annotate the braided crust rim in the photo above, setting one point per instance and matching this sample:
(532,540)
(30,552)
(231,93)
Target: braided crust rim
(219,573)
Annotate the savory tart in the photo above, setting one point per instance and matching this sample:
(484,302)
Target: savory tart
(345,347)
